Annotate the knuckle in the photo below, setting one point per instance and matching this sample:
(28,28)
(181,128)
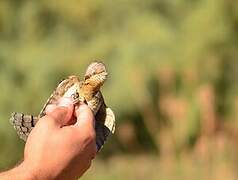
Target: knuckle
(91,136)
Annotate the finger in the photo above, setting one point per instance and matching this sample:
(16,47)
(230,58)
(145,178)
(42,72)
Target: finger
(84,116)
(61,113)
(50,108)
(60,116)
(65,102)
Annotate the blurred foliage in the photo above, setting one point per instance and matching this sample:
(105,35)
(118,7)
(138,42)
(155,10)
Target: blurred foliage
(172,63)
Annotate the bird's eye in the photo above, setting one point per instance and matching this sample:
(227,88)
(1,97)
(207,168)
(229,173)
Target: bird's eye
(75,95)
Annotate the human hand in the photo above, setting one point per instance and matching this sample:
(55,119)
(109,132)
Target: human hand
(61,146)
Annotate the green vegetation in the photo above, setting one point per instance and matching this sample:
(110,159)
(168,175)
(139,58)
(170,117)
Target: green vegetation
(173,79)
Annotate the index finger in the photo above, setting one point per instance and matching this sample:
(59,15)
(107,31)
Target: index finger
(85,117)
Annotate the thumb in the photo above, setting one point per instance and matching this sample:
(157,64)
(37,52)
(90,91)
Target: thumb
(61,113)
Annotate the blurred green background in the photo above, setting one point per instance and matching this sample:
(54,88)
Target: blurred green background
(173,80)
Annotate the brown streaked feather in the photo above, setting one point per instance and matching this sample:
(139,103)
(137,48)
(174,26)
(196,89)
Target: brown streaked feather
(94,68)
(96,102)
(59,92)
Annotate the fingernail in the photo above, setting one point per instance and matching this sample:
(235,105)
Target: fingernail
(77,106)
(65,102)
(81,103)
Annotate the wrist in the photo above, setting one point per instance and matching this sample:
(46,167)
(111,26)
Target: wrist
(26,172)
(21,172)
(29,171)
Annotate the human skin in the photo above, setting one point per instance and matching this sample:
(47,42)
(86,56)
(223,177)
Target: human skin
(61,146)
